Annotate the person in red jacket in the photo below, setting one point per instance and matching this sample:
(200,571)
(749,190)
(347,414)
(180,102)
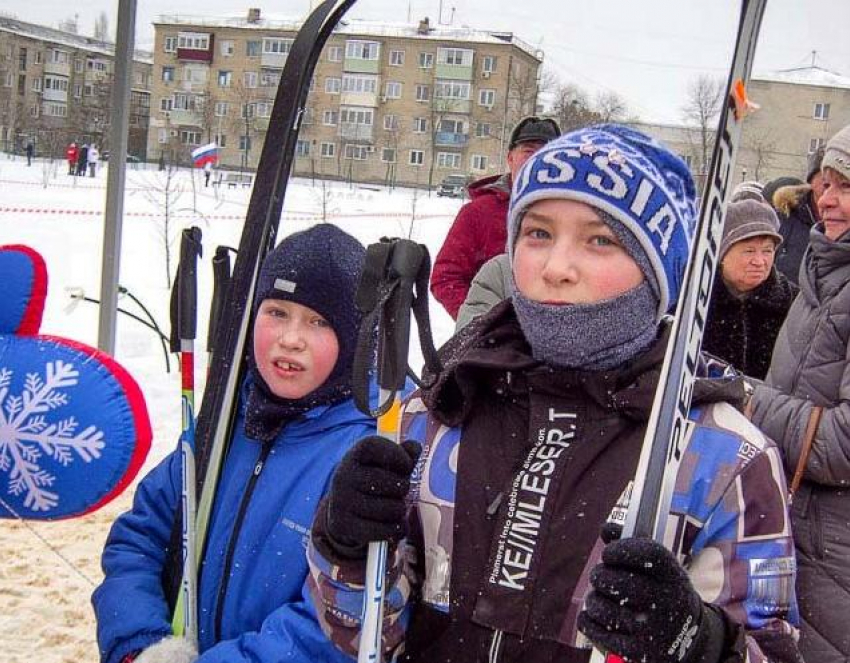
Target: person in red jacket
(71,154)
(479,230)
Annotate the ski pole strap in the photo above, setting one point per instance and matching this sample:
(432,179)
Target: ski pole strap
(393,268)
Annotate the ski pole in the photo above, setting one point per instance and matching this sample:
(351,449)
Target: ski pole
(386,295)
(186,611)
(221,287)
(668,427)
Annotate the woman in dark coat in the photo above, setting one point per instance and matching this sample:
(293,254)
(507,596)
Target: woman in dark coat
(750,298)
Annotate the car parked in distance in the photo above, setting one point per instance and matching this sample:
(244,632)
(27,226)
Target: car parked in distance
(453,186)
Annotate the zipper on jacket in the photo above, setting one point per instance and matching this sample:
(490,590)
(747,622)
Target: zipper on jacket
(234,536)
(495,646)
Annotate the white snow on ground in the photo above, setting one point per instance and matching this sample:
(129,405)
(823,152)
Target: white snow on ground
(49,568)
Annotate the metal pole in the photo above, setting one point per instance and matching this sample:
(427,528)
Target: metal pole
(120,125)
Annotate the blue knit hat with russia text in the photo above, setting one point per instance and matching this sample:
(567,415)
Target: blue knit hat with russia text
(628,176)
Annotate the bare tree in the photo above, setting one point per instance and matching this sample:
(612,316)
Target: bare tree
(164,191)
(701,109)
(611,107)
(571,107)
(101,27)
(762,145)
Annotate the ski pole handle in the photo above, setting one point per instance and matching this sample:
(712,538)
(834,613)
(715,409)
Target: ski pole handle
(221,287)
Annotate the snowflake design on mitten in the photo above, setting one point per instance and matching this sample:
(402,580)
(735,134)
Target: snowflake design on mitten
(31,438)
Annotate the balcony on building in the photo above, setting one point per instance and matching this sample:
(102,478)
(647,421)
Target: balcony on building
(57,62)
(195,46)
(450,139)
(362,57)
(190,118)
(363,133)
(369,99)
(275,51)
(55,95)
(454,64)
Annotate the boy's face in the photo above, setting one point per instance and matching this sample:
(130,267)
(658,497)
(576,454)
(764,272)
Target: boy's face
(295,348)
(565,254)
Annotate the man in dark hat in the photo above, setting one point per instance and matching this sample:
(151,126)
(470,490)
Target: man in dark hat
(479,231)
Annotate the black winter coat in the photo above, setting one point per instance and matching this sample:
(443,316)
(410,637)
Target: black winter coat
(795,208)
(743,330)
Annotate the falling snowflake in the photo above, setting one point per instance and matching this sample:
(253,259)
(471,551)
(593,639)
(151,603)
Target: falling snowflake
(29,438)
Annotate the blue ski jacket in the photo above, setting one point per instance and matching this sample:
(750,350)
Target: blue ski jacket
(250,601)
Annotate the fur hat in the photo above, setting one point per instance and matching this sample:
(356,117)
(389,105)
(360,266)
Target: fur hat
(534,130)
(813,164)
(774,185)
(837,153)
(747,219)
(634,180)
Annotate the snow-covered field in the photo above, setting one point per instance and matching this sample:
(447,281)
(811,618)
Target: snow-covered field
(48,570)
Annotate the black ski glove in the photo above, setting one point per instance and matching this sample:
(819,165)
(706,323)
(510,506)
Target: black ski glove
(644,608)
(366,501)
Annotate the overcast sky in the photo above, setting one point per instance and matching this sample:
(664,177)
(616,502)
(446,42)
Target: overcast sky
(646,50)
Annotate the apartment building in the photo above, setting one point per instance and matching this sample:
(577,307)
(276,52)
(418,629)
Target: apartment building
(800,110)
(56,86)
(403,104)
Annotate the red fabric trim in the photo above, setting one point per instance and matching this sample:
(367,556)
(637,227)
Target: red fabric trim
(31,320)
(141,418)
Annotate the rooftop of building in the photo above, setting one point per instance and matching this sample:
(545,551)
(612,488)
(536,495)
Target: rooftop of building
(63,38)
(423,29)
(810,75)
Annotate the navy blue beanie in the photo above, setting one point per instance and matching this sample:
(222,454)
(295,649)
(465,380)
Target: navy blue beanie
(318,268)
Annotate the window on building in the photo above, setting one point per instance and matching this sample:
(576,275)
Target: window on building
(22,84)
(388,155)
(392,90)
(166,104)
(36,84)
(328,150)
(7,79)
(35,110)
(417,157)
(169,44)
(452,126)
(302,148)
(482,129)
(226,47)
(334,55)
(162,136)
(448,160)
(247,111)
(220,140)
(815,144)
(356,152)
(188,137)
(362,50)
(420,125)
(332,85)
(423,92)
(225,78)
(253,48)
(38,57)
(461,57)
(307,116)
(277,46)
(168,74)
(88,90)
(478,162)
(362,116)
(426,60)
(220,109)
(397,58)
(360,83)
(488,64)
(78,90)
(57,83)
(821,112)
(487,98)
(22,58)
(391,122)
(194,41)
(78,66)
(244,143)
(263,108)
(330,118)
(250,78)
(452,90)
(269,78)
(55,110)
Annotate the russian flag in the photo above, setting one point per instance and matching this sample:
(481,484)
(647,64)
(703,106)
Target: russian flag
(205,154)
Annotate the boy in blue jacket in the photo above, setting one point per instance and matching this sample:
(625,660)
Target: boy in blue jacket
(295,422)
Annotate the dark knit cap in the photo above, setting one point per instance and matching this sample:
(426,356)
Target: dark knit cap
(747,219)
(534,130)
(813,164)
(318,268)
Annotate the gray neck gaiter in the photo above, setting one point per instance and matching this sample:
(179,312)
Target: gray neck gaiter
(591,337)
